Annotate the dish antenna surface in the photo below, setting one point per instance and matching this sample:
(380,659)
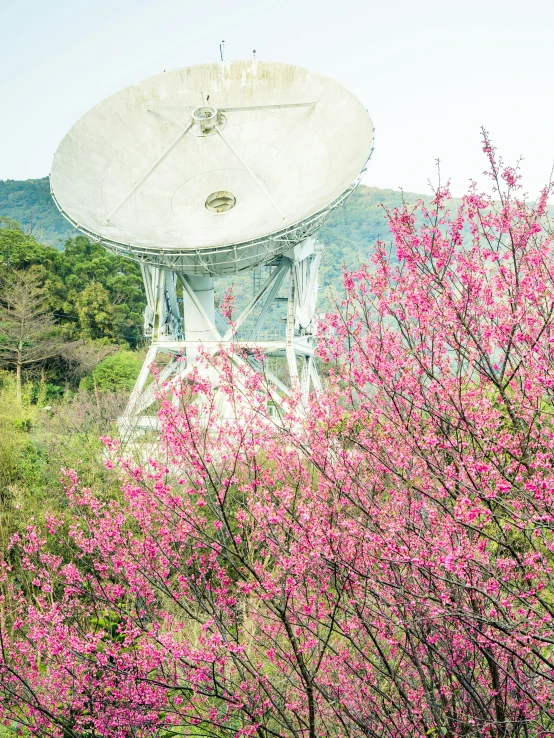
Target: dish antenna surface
(212,170)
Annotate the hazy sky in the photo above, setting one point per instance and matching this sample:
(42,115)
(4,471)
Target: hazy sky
(430,72)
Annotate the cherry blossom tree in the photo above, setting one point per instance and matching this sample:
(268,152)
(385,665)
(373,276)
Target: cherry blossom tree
(378,564)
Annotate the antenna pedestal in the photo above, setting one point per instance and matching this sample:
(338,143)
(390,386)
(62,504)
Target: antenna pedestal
(278,322)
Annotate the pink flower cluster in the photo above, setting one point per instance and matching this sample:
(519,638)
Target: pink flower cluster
(381,565)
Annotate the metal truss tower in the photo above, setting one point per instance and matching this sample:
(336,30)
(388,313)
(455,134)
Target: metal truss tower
(180,329)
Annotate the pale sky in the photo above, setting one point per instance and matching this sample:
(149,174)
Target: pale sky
(430,72)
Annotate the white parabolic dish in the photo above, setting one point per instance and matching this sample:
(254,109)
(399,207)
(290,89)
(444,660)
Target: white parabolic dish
(213,169)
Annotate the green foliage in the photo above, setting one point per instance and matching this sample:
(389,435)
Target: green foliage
(23,424)
(10,223)
(84,263)
(116,372)
(92,294)
(37,441)
(97,315)
(110,623)
(44,393)
(19,250)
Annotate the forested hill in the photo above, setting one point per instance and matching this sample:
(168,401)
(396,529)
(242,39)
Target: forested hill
(30,204)
(348,236)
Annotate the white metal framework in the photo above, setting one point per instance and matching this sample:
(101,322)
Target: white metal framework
(180,332)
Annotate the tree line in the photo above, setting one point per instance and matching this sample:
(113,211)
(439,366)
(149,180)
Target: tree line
(91,294)
(53,302)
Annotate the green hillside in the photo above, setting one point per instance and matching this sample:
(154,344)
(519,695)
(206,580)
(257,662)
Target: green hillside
(349,235)
(29,203)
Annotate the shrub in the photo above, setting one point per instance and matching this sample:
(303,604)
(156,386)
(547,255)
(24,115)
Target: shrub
(116,372)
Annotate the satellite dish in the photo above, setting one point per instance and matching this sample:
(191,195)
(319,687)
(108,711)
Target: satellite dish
(212,169)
